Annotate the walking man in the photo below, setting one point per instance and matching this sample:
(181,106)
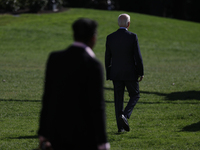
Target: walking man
(124,66)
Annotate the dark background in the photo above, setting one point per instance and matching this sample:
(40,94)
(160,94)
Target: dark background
(178,9)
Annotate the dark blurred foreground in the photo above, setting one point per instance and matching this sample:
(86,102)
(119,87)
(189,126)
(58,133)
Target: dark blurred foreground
(178,9)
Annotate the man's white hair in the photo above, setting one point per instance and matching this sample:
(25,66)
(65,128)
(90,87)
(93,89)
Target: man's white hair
(123,20)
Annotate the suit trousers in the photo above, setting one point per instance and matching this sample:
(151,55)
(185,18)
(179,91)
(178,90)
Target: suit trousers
(133,90)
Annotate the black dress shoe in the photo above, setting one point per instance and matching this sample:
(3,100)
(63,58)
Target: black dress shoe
(121,130)
(124,122)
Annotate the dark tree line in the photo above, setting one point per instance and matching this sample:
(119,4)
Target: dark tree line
(179,9)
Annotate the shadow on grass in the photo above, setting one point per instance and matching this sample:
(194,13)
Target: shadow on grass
(14,100)
(185,95)
(192,128)
(25,137)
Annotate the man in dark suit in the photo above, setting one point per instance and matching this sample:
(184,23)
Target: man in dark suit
(124,66)
(73,108)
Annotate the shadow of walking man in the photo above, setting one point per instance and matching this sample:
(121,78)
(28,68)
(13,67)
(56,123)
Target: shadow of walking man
(185,95)
(192,128)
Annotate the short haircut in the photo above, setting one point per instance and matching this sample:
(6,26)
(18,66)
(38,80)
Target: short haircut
(123,20)
(84,29)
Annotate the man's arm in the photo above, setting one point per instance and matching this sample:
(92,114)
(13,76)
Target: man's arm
(43,122)
(138,59)
(108,57)
(96,100)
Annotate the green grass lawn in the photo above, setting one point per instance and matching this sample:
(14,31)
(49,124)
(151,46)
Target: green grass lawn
(167,115)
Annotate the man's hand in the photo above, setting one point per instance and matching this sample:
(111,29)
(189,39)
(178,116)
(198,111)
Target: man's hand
(140,78)
(104,146)
(44,144)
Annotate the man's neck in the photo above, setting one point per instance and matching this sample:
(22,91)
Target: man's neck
(123,28)
(86,47)
(80,44)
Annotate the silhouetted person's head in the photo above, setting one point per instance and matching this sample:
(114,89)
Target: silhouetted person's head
(85,31)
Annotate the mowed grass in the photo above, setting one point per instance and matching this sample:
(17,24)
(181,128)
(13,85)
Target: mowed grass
(167,115)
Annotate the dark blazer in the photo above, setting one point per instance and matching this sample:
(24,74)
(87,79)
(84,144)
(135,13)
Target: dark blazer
(123,60)
(73,111)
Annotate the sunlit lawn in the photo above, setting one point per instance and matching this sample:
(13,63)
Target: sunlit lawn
(167,115)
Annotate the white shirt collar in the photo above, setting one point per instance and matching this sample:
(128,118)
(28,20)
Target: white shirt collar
(123,28)
(87,48)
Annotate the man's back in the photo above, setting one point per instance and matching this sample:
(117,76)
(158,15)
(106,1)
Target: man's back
(72,102)
(122,46)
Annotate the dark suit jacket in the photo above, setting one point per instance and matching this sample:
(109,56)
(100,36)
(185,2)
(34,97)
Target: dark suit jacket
(73,111)
(123,60)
